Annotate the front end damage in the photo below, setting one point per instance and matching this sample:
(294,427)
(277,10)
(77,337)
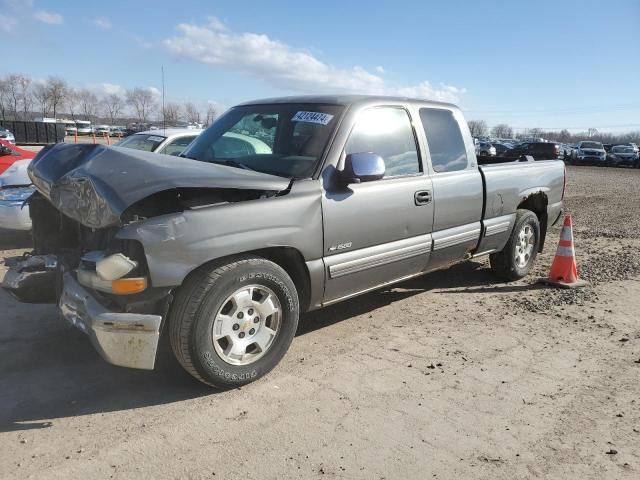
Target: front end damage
(101,282)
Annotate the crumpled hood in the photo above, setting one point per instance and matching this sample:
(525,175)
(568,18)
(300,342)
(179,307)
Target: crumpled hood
(95,184)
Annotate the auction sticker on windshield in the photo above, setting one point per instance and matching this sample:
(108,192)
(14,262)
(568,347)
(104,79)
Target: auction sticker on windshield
(312,117)
(153,138)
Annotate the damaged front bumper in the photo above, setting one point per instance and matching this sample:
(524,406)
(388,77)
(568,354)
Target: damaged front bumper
(123,339)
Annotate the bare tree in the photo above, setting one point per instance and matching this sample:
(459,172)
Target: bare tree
(113,104)
(172,113)
(58,90)
(142,101)
(192,113)
(13,88)
(478,128)
(72,102)
(211,114)
(41,96)
(535,133)
(4,98)
(88,102)
(24,84)
(563,136)
(502,130)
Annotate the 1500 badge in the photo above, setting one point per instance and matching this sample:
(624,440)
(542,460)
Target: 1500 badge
(340,246)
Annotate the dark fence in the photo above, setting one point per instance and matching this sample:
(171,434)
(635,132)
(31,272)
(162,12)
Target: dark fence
(35,133)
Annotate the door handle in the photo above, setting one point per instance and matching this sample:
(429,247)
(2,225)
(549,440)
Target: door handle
(422,197)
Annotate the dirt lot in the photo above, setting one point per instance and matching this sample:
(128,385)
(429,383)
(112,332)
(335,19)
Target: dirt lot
(453,375)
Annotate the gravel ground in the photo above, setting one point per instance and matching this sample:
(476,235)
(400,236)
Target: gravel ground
(453,375)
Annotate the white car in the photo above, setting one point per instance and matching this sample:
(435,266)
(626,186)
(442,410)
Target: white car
(7,135)
(170,141)
(15,189)
(83,127)
(70,129)
(102,130)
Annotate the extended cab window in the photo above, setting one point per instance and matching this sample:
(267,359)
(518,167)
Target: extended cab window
(387,132)
(177,146)
(446,145)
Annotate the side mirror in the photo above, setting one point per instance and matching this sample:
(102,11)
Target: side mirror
(363,167)
(5,150)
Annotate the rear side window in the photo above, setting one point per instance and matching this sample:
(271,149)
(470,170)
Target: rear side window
(448,152)
(176,147)
(387,132)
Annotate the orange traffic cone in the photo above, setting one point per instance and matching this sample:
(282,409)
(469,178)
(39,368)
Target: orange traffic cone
(564,272)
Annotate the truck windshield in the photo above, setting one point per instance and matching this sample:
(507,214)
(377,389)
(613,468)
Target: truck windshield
(287,140)
(596,145)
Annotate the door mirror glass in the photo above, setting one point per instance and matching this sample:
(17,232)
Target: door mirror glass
(363,167)
(5,150)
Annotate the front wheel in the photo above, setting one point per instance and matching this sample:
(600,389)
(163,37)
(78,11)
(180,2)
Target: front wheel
(519,254)
(232,323)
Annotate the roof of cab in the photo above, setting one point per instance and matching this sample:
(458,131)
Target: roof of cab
(346,100)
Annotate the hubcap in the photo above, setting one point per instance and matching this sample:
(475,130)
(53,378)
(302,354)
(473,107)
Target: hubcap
(524,246)
(246,325)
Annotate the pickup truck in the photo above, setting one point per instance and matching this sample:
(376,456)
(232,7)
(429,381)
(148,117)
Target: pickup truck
(224,248)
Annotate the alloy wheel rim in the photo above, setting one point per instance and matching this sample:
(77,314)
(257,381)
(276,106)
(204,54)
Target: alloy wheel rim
(246,325)
(524,246)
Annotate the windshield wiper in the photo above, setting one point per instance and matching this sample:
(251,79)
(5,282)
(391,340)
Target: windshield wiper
(233,163)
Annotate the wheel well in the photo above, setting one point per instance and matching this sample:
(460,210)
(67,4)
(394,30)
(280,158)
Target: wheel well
(288,258)
(537,203)
(292,262)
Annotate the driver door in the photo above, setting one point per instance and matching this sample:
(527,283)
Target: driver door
(378,231)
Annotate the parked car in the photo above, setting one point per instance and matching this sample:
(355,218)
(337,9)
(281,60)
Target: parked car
(70,129)
(622,155)
(500,148)
(226,252)
(9,154)
(537,150)
(15,190)
(486,149)
(591,153)
(567,151)
(83,127)
(118,131)
(632,145)
(170,141)
(102,130)
(7,136)
(573,154)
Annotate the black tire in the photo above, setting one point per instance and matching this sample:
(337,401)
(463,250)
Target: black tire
(192,313)
(504,263)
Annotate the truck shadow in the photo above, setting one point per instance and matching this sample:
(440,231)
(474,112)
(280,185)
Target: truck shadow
(49,370)
(14,239)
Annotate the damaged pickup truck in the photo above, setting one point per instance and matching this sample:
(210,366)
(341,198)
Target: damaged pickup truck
(281,206)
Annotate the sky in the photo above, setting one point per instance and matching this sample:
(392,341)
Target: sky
(547,64)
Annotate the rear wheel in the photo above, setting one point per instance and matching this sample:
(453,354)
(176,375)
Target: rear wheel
(230,324)
(518,256)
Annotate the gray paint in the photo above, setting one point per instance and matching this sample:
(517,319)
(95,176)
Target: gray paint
(178,243)
(389,237)
(352,238)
